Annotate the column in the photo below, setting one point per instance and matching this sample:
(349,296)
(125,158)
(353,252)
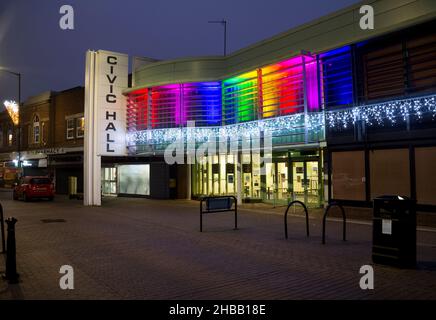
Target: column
(238,156)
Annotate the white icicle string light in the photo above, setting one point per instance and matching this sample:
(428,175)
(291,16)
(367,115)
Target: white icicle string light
(375,114)
(392,112)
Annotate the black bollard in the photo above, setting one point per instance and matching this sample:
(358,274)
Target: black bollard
(11,262)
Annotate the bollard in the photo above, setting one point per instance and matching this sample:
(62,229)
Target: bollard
(11,263)
(2,229)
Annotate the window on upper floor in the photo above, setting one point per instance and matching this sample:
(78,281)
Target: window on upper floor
(71,126)
(80,130)
(36,129)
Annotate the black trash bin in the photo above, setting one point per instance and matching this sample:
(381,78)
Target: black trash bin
(394,231)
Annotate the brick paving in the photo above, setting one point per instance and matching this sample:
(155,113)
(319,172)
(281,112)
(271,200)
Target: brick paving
(150,249)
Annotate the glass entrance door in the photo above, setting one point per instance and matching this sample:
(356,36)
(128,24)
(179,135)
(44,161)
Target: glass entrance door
(306,182)
(298,176)
(282,181)
(312,183)
(109,181)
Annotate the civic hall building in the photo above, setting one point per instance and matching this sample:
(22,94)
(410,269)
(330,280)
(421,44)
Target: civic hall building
(351,113)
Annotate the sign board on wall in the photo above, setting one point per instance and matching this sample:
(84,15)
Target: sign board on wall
(111,80)
(105,116)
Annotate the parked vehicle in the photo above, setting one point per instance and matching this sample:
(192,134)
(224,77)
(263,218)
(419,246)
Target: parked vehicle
(9,174)
(32,187)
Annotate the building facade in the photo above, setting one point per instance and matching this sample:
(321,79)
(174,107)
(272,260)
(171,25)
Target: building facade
(51,133)
(351,112)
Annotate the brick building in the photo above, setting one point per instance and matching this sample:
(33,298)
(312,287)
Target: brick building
(52,129)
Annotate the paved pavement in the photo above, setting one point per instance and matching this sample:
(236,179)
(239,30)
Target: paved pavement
(150,249)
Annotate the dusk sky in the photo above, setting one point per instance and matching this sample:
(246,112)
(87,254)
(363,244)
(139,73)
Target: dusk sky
(32,43)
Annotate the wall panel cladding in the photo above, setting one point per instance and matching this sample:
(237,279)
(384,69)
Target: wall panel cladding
(240,98)
(425,159)
(337,78)
(384,72)
(348,175)
(283,88)
(421,53)
(201,103)
(390,172)
(165,106)
(174,105)
(137,110)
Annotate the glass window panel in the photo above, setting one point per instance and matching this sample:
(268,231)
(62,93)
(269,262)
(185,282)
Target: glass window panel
(134,179)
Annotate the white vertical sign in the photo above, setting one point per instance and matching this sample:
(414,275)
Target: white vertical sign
(111,103)
(105,116)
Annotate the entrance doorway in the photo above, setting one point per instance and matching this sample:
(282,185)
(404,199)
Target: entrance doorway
(283,191)
(306,182)
(109,181)
(291,175)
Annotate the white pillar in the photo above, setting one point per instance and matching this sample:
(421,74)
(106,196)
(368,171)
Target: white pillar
(105,116)
(92,162)
(239,177)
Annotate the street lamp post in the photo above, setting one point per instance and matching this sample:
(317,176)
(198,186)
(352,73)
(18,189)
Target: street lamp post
(19,103)
(224,23)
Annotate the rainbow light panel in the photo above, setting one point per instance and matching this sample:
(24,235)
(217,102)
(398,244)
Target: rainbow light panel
(165,106)
(202,103)
(173,105)
(276,90)
(282,88)
(312,87)
(137,110)
(240,98)
(337,77)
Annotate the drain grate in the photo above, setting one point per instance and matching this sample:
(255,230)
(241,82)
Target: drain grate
(53,220)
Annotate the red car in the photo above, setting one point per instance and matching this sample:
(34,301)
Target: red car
(34,187)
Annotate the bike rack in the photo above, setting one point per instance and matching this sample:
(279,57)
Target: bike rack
(325,218)
(286,217)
